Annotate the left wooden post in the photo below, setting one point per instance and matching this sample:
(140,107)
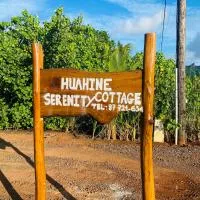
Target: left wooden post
(40,174)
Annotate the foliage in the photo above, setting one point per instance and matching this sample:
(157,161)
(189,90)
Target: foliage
(164,87)
(128,125)
(3,114)
(72,44)
(67,43)
(165,94)
(120,58)
(16,37)
(75,45)
(193,106)
(165,90)
(193,70)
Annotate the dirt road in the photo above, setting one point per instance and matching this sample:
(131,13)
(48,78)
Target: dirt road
(83,169)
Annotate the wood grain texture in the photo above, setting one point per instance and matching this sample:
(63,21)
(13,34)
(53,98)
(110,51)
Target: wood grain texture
(127,82)
(147,133)
(40,174)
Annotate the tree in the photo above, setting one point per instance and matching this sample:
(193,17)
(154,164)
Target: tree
(120,58)
(192,120)
(119,61)
(16,37)
(70,44)
(67,43)
(164,103)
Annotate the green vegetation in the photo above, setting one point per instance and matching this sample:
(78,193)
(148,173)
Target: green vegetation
(193,107)
(72,44)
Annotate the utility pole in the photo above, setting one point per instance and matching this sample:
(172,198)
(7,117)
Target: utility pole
(180,62)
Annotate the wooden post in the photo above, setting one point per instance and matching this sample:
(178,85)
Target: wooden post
(40,175)
(147,133)
(180,60)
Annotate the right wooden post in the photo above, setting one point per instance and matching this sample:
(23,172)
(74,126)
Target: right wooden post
(148,120)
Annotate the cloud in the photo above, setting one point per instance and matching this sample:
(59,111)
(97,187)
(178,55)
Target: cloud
(145,16)
(139,6)
(141,24)
(9,8)
(194,46)
(190,58)
(139,17)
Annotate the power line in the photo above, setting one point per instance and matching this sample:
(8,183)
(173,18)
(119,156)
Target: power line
(163,24)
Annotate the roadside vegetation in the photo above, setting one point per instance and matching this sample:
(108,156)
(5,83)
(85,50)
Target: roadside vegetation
(69,43)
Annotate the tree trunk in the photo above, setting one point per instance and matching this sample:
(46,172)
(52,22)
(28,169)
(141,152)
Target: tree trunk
(111,132)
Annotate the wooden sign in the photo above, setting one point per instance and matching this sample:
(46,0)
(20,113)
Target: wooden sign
(68,92)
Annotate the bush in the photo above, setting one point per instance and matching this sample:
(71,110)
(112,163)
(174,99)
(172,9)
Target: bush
(70,43)
(193,106)
(66,43)
(3,115)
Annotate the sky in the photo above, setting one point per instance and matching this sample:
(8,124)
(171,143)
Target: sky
(125,20)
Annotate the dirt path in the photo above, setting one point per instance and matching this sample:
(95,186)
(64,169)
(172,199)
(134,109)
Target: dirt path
(79,168)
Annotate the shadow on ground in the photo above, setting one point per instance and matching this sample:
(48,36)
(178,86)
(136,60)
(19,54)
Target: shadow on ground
(10,189)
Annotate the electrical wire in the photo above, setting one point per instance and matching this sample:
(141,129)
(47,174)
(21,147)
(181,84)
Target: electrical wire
(163,25)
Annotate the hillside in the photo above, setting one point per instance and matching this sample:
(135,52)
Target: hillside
(192,70)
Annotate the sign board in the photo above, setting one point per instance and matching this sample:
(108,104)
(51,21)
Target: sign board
(68,92)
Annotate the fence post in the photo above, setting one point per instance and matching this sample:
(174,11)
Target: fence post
(148,121)
(40,175)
